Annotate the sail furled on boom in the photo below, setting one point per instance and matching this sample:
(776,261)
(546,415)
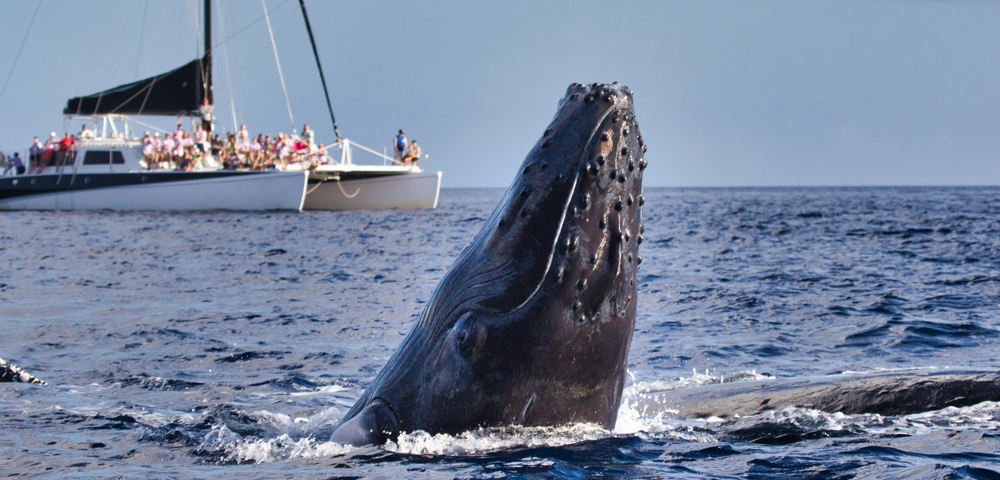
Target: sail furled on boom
(178,92)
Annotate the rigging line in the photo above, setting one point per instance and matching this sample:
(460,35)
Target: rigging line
(145,45)
(142,30)
(261,52)
(23,40)
(201,58)
(278,63)
(163,58)
(225,55)
(232,45)
(146,125)
(336,132)
(197,34)
(86,77)
(174,35)
(249,25)
(113,55)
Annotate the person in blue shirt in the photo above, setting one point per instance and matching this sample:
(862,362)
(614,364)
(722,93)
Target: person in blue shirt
(400,143)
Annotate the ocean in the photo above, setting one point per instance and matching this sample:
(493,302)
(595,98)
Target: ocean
(223,344)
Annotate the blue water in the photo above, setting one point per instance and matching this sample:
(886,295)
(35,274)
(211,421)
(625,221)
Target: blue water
(189,345)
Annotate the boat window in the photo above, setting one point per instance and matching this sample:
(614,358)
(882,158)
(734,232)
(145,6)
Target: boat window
(99,157)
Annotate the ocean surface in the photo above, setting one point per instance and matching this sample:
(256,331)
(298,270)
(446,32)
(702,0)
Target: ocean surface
(221,344)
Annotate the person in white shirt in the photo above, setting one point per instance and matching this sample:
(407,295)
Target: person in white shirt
(85,134)
(185,152)
(200,139)
(256,158)
(322,156)
(169,146)
(180,150)
(147,150)
(49,152)
(282,149)
(157,150)
(243,150)
(35,155)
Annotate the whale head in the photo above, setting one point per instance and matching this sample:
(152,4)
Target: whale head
(532,324)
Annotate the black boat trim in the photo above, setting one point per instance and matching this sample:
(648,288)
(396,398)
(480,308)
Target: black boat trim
(347,176)
(29,185)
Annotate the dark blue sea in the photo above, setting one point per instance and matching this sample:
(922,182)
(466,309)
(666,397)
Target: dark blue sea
(221,344)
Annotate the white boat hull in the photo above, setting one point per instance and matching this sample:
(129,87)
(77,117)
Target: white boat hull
(265,191)
(407,190)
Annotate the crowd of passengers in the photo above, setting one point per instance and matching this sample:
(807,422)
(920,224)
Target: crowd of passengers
(182,150)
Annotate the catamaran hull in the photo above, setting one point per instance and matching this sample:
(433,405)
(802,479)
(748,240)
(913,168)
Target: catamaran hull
(408,190)
(259,191)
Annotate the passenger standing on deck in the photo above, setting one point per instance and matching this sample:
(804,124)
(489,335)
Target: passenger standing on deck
(35,155)
(65,146)
(400,143)
(308,136)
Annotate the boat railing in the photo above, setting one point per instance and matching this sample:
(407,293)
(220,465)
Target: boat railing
(347,153)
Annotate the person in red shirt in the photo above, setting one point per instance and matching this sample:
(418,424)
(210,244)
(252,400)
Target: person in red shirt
(64,147)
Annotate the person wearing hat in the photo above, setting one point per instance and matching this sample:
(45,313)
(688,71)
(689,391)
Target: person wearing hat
(51,145)
(400,142)
(157,150)
(147,149)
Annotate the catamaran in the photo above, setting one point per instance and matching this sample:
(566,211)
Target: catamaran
(109,170)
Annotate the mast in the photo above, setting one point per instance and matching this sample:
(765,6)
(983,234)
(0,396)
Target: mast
(309,29)
(208,102)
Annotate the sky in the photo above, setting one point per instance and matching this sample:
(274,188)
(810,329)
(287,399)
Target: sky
(727,93)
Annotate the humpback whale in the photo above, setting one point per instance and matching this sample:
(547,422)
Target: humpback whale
(11,373)
(532,323)
(884,393)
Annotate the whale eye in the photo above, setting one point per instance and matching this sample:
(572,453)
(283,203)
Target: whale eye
(465,336)
(464,341)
